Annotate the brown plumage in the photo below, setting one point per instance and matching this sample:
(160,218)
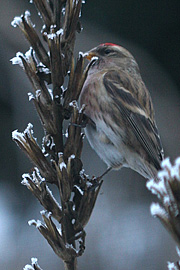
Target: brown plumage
(122,129)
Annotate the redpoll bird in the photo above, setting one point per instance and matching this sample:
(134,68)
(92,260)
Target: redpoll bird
(121,126)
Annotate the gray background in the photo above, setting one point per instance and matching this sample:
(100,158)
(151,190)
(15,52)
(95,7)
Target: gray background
(121,233)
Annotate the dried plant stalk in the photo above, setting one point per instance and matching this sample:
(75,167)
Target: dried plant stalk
(59,161)
(167,189)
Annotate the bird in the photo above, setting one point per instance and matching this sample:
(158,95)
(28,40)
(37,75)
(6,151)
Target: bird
(121,125)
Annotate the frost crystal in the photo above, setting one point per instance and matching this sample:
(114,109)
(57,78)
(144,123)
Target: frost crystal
(73,221)
(31,222)
(157,210)
(178,251)
(28,57)
(83,54)
(166,163)
(43,68)
(50,92)
(38,93)
(94,58)
(42,212)
(80,190)
(15,134)
(176,169)
(177,161)
(28,54)
(60,154)
(38,224)
(171,266)
(27,13)
(51,36)
(62,165)
(28,267)
(34,260)
(167,179)
(156,188)
(29,128)
(18,136)
(53,198)
(169,170)
(60,32)
(163,175)
(17,21)
(45,213)
(17,59)
(73,103)
(56,34)
(25,181)
(66,134)
(166,186)
(31,96)
(69,246)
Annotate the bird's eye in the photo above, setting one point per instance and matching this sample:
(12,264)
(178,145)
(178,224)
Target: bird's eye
(107,51)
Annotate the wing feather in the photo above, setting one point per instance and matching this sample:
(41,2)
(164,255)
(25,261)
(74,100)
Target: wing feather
(144,128)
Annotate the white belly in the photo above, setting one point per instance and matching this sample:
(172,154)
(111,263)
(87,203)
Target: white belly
(115,153)
(105,148)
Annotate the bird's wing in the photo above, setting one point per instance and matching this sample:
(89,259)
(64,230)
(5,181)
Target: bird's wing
(133,113)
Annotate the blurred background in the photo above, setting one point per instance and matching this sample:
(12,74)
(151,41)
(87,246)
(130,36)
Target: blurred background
(121,233)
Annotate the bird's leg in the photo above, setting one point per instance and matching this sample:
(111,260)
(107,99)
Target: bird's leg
(86,120)
(102,175)
(109,169)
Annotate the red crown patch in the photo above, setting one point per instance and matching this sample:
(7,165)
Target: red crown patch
(108,44)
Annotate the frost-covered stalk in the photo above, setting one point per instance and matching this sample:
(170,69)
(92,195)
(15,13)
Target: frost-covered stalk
(59,160)
(167,189)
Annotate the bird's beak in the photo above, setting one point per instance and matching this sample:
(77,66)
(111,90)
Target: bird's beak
(89,55)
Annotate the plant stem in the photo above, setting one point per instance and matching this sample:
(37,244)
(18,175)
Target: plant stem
(72,265)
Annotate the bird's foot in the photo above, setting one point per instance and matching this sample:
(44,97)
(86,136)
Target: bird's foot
(102,175)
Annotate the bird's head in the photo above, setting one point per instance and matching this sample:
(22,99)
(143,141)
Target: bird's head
(110,55)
